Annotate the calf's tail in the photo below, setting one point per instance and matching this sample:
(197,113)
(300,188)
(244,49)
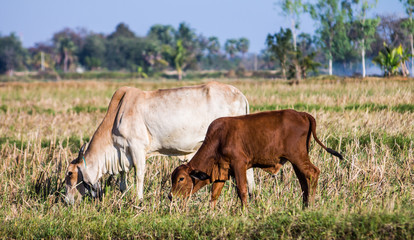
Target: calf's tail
(312,129)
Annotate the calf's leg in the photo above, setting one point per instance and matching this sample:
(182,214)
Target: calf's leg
(308,175)
(215,192)
(241,181)
(273,170)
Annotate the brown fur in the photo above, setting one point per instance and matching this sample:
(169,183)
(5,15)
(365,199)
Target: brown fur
(265,140)
(139,124)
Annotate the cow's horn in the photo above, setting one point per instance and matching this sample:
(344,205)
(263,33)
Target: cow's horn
(81,151)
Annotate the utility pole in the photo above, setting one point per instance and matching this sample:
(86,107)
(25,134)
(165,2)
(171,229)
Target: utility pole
(255,62)
(42,61)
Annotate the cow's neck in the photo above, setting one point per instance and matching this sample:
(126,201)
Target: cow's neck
(203,160)
(94,160)
(106,159)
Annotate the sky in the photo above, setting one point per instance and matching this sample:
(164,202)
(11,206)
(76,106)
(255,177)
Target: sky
(36,21)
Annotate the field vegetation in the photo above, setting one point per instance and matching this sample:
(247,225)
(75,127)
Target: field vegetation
(368,195)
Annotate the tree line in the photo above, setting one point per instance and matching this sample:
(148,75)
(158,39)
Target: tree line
(163,48)
(345,37)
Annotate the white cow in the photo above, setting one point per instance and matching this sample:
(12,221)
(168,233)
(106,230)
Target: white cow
(139,124)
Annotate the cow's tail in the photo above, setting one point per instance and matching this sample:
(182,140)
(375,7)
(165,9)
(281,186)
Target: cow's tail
(312,129)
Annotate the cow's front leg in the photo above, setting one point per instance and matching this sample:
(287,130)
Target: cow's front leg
(215,193)
(241,181)
(138,157)
(123,182)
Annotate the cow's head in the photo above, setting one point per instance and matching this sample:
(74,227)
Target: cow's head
(76,183)
(183,180)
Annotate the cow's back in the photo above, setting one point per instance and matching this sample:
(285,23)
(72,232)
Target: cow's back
(176,120)
(261,136)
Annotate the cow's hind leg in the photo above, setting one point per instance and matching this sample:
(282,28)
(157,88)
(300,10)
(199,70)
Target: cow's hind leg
(273,170)
(138,158)
(308,175)
(250,180)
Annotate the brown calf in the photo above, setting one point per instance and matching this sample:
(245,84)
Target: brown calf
(234,144)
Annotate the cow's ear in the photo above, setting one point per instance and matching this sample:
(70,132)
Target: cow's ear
(76,161)
(199,175)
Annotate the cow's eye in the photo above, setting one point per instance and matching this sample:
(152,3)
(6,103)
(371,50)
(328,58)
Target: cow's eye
(181,179)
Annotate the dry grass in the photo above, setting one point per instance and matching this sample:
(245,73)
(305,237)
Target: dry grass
(369,193)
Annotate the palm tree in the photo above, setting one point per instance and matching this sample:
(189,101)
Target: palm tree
(389,60)
(243,45)
(231,47)
(213,45)
(66,49)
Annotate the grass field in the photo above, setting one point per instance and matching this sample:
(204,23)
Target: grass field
(368,195)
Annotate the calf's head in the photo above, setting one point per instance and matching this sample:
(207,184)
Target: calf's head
(76,184)
(183,180)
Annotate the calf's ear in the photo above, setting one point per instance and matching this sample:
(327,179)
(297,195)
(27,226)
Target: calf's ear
(199,175)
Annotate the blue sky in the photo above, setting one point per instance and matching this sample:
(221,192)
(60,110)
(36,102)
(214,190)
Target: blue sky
(36,21)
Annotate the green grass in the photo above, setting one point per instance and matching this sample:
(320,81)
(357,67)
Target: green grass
(368,195)
(72,142)
(87,109)
(308,225)
(401,108)
(395,143)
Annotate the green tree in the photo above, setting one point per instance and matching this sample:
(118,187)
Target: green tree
(364,29)
(409,8)
(404,58)
(76,36)
(66,53)
(328,13)
(47,61)
(122,30)
(280,46)
(243,45)
(268,59)
(12,54)
(165,34)
(390,59)
(186,34)
(230,46)
(92,54)
(213,46)
(179,59)
(303,58)
(130,53)
(192,45)
(343,51)
(292,9)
